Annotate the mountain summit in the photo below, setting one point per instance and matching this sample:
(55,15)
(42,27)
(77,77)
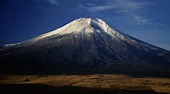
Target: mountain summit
(87,45)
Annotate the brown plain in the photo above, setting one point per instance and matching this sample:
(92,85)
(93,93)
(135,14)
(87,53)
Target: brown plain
(106,81)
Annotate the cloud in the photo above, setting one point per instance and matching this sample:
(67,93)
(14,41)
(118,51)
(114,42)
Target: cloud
(141,20)
(95,8)
(52,2)
(117,5)
(136,19)
(160,25)
(129,5)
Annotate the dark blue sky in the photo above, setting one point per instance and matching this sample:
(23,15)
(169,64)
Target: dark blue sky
(148,20)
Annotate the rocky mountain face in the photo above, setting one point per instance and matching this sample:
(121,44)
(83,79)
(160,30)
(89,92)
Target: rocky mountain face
(84,45)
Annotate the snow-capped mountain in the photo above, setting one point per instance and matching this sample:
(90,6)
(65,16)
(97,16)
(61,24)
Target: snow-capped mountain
(85,44)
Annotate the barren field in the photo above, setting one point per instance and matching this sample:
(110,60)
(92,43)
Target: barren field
(83,84)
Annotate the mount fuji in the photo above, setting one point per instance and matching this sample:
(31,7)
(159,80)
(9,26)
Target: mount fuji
(85,45)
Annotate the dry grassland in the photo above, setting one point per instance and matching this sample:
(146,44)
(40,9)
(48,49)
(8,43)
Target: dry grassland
(103,81)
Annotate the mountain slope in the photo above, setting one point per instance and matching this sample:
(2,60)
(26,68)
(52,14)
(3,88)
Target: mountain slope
(85,44)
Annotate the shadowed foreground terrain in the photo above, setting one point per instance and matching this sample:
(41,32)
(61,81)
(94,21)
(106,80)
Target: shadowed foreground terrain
(44,89)
(83,84)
